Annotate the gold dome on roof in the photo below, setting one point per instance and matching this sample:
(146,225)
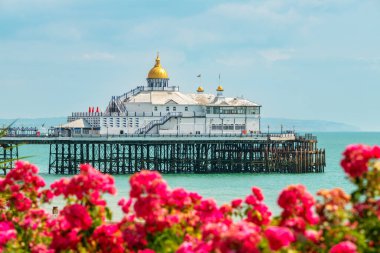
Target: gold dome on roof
(200,89)
(158,72)
(220,88)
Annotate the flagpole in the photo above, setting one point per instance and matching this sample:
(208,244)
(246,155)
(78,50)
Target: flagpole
(200,79)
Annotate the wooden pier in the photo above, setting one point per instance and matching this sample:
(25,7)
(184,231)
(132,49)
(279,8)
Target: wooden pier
(178,154)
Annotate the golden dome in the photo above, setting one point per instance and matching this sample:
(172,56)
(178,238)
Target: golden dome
(200,89)
(157,71)
(220,88)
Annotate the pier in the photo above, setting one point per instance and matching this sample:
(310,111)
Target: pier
(258,153)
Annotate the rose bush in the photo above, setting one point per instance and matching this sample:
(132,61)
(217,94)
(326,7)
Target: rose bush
(159,219)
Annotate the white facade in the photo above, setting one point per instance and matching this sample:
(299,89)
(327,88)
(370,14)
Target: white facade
(164,110)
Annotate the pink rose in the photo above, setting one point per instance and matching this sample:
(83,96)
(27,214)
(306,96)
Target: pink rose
(344,247)
(279,237)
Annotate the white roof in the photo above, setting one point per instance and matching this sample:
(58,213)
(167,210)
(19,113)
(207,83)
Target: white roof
(79,123)
(210,99)
(175,97)
(162,97)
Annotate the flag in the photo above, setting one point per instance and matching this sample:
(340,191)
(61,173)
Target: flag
(199,75)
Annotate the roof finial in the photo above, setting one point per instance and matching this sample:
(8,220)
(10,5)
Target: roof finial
(158,64)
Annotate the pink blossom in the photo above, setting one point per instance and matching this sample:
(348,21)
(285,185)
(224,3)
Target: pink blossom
(108,238)
(236,203)
(279,237)
(41,248)
(257,193)
(147,182)
(313,235)
(232,237)
(7,232)
(86,183)
(134,234)
(20,202)
(344,247)
(356,157)
(179,198)
(77,216)
(297,204)
(257,212)
(208,211)
(64,240)
(125,204)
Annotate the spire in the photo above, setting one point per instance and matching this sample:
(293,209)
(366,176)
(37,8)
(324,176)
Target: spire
(158,61)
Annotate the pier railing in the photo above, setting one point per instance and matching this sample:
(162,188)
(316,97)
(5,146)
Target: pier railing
(271,136)
(153,123)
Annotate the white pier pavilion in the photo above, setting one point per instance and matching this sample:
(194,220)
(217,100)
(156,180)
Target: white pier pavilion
(160,109)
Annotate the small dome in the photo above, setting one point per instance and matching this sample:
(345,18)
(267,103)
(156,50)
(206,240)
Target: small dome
(157,72)
(220,88)
(200,89)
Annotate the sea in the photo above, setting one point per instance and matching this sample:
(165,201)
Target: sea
(225,187)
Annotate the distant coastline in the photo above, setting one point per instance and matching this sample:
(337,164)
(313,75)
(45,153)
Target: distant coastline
(274,124)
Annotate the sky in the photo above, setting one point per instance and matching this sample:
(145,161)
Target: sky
(299,59)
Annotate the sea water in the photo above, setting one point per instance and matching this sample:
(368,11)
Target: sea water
(226,187)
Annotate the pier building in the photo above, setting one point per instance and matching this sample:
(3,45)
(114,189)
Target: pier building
(158,108)
(157,127)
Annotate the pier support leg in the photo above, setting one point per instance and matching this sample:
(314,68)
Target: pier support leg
(8,155)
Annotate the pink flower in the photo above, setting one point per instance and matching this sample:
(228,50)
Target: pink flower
(344,247)
(236,203)
(89,182)
(313,235)
(232,237)
(125,204)
(257,212)
(356,157)
(297,204)
(147,182)
(41,248)
(7,232)
(279,237)
(77,216)
(20,202)
(179,198)
(108,238)
(64,240)
(208,211)
(257,193)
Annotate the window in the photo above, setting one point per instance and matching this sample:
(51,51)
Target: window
(174,108)
(167,108)
(186,108)
(155,108)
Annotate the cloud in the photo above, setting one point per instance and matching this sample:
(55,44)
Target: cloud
(274,55)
